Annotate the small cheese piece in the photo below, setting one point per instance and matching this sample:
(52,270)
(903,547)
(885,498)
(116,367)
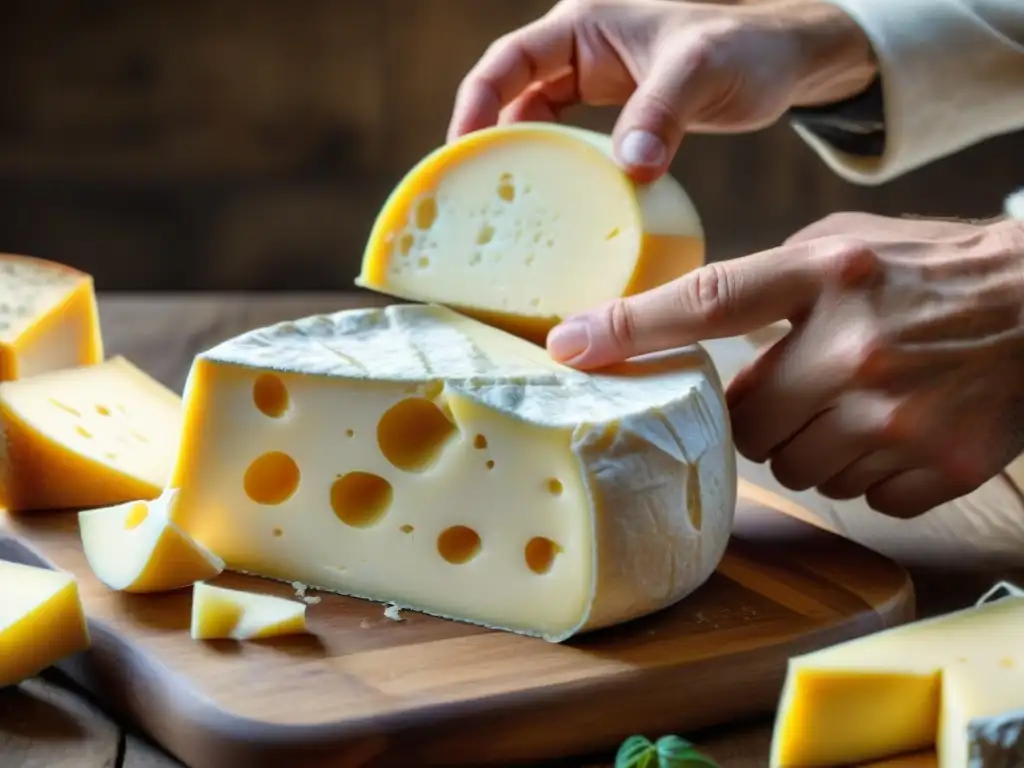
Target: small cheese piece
(135,547)
(955,681)
(230,614)
(86,437)
(415,456)
(521,225)
(48,318)
(41,620)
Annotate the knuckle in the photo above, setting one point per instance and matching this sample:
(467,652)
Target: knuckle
(841,258)
(704,294)
(621,324)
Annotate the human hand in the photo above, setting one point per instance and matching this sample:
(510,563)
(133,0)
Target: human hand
(676,66)
(902,377)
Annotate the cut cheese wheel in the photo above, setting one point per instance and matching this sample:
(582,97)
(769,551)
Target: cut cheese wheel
(41,620)
(521,225)
(415,456)
(48,318)
(230,614)
(135,547)
(955,681)
(86,437)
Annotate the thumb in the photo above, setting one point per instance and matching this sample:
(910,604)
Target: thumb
(714,301)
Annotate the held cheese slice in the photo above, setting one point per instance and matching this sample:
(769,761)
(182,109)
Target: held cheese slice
(48,318)
(135,547)
(41,620)
(955,681)
(86,437)
(524,224)
(415,456)
(230,614)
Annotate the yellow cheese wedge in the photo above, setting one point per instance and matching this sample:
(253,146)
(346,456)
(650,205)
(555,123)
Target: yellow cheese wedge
(955,681)
(41,620)
(48,317)
(415,456)
(86,437)
(230,614)
(521,225)
(135,547)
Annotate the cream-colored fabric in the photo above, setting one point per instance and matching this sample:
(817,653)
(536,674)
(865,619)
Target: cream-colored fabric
(952,75)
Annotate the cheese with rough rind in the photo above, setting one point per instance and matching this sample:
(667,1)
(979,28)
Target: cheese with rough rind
(48,317)
(219,613)
(41,620)
(136,547)
(415,456)
(521,225)
(955,681)
(86,437)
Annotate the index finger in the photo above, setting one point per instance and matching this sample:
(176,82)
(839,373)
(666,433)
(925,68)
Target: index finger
(540,51)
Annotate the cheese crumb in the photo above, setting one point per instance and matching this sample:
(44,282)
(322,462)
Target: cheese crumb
(393,612)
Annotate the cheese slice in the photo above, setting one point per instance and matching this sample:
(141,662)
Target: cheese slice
(415,456)
(135,547)
(48,317)
(955,681)
(522,225)
(230,614)
(86,437)
(41,620)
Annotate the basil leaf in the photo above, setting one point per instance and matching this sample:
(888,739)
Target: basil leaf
(674,752)
(636,752)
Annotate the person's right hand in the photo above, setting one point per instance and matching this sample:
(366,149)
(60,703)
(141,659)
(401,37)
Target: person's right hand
(675,66)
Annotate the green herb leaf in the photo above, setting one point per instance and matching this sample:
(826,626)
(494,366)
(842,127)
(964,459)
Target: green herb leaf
(636,752)
(674,752)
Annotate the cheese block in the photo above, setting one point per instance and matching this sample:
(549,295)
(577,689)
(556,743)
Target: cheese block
(135,547)
(229,614)
(955,681)
(48,317)
(415,456)
(86,437)
(522,225)
(41,620)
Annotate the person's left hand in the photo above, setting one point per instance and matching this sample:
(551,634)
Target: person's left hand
(902,379)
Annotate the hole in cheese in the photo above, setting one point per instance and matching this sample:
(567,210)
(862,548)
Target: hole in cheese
(615,232)
(277,533)
(270,395)
(350,433)
(406,528)
(423,262)
(540,554)
(64,407)
(506,188)
(490,464)
(361,499)
(83,431)
(272,478)
(426,213)
(485,235)
(136,516)
(555,486)
(480,442)
(139,436)
(412,433)
(458,544)
(405,244)
(102,410)
(693,503)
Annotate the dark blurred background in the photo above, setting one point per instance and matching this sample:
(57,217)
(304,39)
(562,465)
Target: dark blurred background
(248,144)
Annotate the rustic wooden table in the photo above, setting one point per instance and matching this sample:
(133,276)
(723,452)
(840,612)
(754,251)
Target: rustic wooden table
(47,723)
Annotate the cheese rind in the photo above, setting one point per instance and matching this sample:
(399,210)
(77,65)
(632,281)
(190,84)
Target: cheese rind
(414,456)
(135,547)
(954,681)
(230,614)
(521,225)
(86,437)
(48,318)
(41,620)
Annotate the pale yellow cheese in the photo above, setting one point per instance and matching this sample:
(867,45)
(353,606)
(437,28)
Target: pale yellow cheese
(522,225)
(41,620)
(230,614)
(135,547)
(955,682)
(48,317)
(417,457)
(86,437)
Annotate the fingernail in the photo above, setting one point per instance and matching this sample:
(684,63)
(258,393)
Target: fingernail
(642,148)
(569,340)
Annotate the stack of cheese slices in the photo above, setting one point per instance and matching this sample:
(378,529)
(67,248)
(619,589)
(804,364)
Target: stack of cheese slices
(431,455)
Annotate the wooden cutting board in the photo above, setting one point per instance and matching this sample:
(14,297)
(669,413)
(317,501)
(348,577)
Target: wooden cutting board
(367,690)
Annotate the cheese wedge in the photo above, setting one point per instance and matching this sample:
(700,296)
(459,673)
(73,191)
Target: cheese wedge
(230,614)
(521,225)
(135,547)
(86,437)
(41,620)
(48,317)
(414,456)
(955,681)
